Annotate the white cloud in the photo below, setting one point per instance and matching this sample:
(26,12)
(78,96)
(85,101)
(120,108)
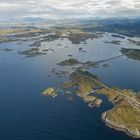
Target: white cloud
(68,8)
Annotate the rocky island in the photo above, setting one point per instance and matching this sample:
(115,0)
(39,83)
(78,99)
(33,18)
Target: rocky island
(49,92)
(124,116)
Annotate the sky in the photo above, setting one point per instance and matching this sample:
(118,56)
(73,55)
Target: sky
(67,9)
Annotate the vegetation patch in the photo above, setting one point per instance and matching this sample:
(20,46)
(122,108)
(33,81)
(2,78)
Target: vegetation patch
(131,53)
(124,117)
(70,62)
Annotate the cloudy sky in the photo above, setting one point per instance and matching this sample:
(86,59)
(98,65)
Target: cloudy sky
(59,9)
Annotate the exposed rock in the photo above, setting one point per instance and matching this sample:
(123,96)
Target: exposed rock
(98,102)
(49,92)
(89,98)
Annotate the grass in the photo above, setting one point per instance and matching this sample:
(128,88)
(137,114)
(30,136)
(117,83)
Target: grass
(111,95)
(125,114)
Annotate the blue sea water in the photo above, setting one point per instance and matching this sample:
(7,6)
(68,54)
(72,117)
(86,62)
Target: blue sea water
(27,115)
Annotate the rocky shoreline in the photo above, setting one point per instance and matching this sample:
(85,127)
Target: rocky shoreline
(124,116)
(119,127)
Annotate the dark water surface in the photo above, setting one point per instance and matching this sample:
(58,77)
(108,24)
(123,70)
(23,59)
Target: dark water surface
(27,115)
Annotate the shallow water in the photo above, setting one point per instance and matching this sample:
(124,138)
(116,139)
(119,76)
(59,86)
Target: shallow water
(26,114)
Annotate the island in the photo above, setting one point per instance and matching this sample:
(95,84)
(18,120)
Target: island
(125,114)
(49,92)
(70,62)
(131,53)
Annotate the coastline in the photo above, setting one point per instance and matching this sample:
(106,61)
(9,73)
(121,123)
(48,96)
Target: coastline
(119,127)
